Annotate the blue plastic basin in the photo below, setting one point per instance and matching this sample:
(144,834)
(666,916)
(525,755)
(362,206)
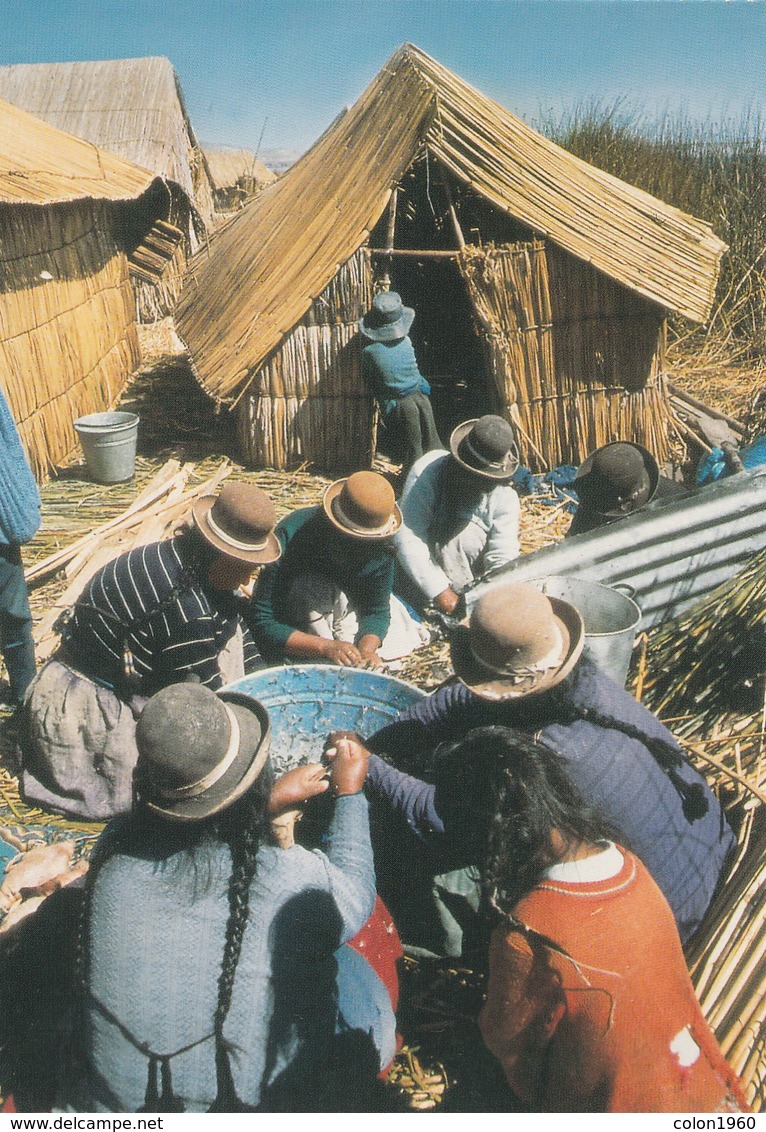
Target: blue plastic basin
(307,701)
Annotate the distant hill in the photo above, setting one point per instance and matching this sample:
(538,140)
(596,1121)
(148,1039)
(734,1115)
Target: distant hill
(279,159)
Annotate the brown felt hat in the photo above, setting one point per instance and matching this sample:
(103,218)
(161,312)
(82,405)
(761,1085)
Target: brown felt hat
(617,478)
(387,319)
(517,642)
(239,522)
(199,752)
(486,446)
(363,505)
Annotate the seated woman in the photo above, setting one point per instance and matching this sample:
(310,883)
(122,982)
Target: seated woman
(329,597)
(590,1007)
(214,965)
(151,617)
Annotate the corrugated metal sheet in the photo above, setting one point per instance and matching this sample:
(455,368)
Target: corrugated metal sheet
(670,553)
(283,250)
(131,107)
(42,165)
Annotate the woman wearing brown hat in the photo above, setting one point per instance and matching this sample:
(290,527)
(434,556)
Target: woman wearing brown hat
(214,965)
(328,598)
(152,616)
(518,662)
(460,514)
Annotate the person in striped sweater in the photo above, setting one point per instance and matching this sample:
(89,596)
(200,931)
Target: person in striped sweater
(154,616)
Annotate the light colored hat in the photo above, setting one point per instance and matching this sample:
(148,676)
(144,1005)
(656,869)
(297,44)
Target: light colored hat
(517,642)
(617,478)
(363,505)
(387,319)
(239,522)
(486,446)
(199,752)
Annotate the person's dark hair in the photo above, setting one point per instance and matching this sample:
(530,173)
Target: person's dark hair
(507,792)
(242,826)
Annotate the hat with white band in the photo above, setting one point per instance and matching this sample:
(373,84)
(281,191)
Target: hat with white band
(198,752)
(239,522)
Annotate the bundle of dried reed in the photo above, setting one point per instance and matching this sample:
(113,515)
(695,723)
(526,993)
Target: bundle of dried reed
(309,402)
(154,515)
(708,665)
(69,342)
(577,359)
(726,961)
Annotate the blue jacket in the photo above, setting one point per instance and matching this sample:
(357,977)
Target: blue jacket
(614,771)
(19,497)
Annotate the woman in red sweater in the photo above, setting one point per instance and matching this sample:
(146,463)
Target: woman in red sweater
(590,1007)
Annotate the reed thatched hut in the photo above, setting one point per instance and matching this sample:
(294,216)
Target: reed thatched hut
(68,339)
(133,108)
(237,176)
(541,284)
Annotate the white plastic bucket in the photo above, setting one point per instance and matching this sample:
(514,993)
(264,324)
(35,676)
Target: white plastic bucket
(108,443)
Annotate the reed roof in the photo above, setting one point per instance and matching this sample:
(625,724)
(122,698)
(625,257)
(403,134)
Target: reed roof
(264,269)
(40,164)
(228,165)
(131,107)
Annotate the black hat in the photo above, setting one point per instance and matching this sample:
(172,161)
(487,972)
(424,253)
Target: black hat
(387,319)
(617,479)
(199,752)
(486,446)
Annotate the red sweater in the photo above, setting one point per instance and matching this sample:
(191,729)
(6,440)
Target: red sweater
(613,1025)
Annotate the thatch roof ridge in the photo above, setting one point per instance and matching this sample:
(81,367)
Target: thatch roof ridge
(42,165)
(652,247)
(228,163)
(265,268)
(263,272)
(131,107)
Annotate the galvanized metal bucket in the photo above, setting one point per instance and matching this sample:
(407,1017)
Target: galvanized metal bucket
(108,443)
(611,620)
(306,701)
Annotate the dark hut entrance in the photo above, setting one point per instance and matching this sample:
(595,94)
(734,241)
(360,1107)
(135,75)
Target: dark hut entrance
(430,217)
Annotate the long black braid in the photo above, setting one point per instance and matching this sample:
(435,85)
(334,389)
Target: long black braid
(242,827)
(506,792)
(668,755)
(244,831)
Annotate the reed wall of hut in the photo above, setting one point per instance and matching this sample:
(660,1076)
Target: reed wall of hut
(309,402)
(68,339)
(577,360)
(158,278)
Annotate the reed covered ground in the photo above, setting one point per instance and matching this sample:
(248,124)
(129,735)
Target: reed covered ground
(681,671)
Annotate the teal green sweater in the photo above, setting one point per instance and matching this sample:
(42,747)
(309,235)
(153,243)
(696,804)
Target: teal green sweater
(391,369)
(311,544)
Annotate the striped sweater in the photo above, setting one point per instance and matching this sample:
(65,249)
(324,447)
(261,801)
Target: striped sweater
(154,599)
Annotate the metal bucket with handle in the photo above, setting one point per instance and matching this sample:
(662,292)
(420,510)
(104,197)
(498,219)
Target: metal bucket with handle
(611,617)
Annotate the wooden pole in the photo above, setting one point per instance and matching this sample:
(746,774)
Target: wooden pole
(428,253)
(385,279)
(451,207)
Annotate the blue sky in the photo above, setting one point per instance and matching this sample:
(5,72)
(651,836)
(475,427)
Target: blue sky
(277,71)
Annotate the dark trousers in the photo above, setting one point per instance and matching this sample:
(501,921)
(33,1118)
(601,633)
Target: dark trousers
(411,430)
(16,642)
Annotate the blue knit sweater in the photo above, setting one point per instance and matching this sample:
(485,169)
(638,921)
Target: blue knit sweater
(19,497)
(157,936)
